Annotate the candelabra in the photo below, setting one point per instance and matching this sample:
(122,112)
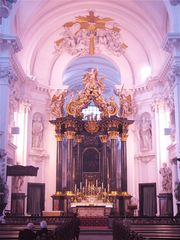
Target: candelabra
(91,192)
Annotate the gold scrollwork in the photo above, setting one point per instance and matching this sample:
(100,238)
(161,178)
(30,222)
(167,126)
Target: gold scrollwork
(93,88)
(112,108)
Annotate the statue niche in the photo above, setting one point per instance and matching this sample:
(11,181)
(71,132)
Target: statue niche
(91,160)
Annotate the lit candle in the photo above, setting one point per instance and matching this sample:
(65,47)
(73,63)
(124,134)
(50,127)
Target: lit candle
(102,185)
(80,185)
(108,188)
(96,182)
(75,187)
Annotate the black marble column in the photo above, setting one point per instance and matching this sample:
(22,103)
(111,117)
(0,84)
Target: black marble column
(78,162)
(123,163)
(59,139)
(103,139)
(70,136)
(113,135)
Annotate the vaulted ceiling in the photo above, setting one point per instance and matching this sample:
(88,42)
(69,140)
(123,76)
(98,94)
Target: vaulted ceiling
(39,23)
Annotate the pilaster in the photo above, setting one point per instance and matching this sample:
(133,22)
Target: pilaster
(8,46)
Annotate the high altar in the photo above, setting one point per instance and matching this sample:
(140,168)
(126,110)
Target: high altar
(91,186)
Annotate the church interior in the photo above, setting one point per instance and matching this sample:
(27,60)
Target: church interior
(90,110)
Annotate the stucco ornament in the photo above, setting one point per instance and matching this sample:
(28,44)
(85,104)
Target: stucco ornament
(87,34)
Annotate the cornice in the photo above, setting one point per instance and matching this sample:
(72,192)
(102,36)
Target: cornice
(41,88)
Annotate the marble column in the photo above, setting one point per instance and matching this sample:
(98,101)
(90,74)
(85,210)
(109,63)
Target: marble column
(113,136)
(104,139)
(123,137)
(70,137)
(59,139)
(172,45)
(78,167)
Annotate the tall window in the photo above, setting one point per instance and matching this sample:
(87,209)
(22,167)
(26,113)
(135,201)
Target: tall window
(91,113)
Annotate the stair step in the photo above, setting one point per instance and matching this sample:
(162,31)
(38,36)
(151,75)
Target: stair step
(96,232)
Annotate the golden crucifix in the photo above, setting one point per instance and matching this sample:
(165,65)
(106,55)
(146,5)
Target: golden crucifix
(90,23)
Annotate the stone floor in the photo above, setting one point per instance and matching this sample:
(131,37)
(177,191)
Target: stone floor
(95,237)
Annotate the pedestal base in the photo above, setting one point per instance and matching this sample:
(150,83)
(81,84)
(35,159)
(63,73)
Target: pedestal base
(17,203)
(123,205)
(165,204)
(59,203)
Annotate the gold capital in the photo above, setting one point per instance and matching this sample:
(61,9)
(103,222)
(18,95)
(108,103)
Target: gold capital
(103,138)
(70,134)
(59,137)
(113,134)
(124,137)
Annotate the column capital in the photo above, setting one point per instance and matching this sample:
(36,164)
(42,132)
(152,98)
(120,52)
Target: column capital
(113,134)
(171,42)
(174,74)
(70,134)
(124,137)
(158,104)
(174,2)
(59,137)
(7,75)
(103,138)
(10,42)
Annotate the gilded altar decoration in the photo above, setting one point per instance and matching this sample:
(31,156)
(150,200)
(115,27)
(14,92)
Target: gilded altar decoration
(57,103)
(125,101)
(92,127)
(86,35)
(93,89)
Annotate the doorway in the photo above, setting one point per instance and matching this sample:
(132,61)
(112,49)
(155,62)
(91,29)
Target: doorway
(35,205)
(147,199)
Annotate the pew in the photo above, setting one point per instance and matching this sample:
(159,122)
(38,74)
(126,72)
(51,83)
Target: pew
(63,230)
(147,231)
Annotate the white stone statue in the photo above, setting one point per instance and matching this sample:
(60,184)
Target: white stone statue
(37,130)
(18,182)
(145,133)
(166,174)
